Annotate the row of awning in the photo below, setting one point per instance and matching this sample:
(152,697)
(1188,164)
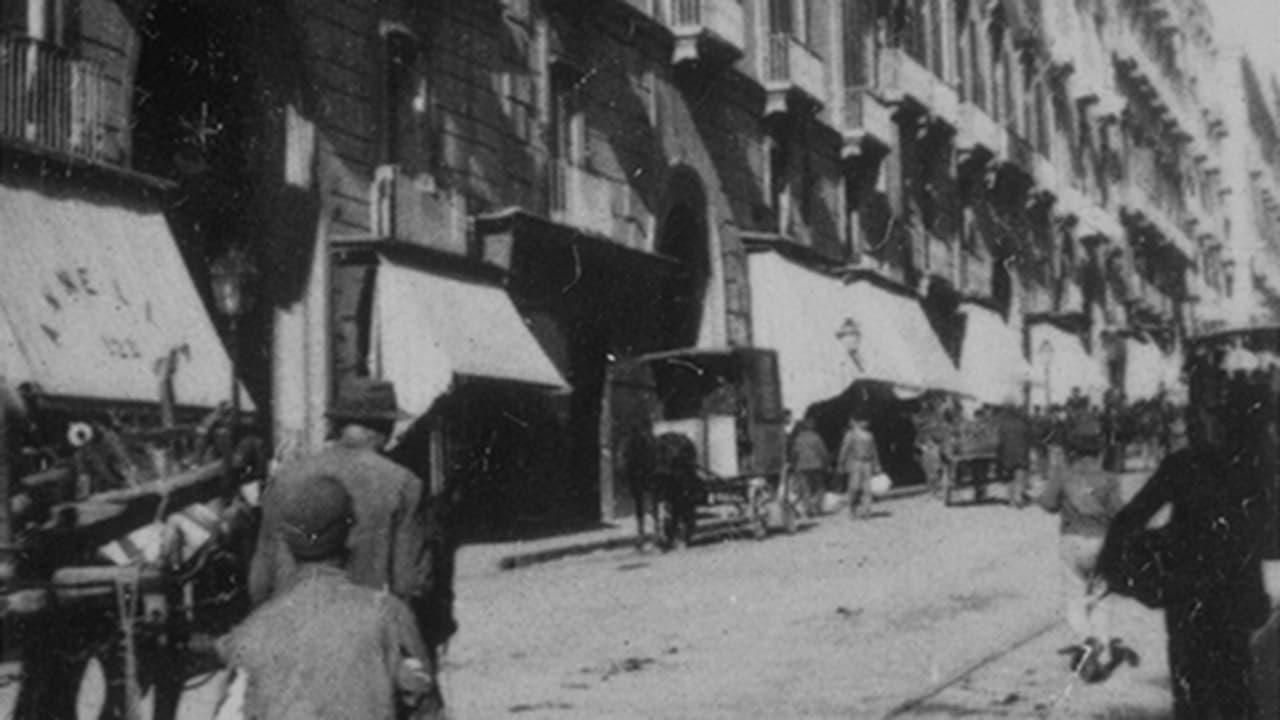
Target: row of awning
(830,333)
(94,296)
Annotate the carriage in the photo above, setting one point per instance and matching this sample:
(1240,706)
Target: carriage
(972,459)
(714,421)
(127,529)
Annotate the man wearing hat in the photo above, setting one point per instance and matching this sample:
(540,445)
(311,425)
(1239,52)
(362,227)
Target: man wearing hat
(389,544)
(1086,497)
(324,646)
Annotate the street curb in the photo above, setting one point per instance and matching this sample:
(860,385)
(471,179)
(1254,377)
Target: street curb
(518,559)
(586,547)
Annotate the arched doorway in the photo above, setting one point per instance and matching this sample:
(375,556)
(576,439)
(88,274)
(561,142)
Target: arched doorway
(683,237)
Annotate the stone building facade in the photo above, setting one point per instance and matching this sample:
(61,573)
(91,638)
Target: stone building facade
(1004,200)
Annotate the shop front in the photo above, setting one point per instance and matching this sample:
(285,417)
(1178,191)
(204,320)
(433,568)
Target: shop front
(484,397)
(848,346)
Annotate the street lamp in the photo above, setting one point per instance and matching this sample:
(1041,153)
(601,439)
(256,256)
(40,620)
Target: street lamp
(1046,351)
(230,276)
(850,336)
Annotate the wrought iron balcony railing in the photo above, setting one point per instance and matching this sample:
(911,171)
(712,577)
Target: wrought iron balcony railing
(791,68)
(51,99)
(706,26)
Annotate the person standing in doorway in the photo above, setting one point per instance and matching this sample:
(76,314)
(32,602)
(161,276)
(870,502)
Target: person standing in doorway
(858,461)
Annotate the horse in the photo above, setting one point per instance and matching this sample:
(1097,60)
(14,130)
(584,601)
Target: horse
(662,476)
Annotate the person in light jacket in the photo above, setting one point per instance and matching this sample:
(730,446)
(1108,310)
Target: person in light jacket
(858,461)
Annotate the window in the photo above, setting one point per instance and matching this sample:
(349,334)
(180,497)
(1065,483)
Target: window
(47,20)
(408,132)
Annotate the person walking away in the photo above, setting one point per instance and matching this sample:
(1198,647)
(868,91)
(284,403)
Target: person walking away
(1013,453)
(323,646)
(1209,575)
(858,461)
(1086,497)
(810,466)
(390,545)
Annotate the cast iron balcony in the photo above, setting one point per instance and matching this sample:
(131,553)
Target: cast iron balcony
(581,198)
(866,122)
(706,29)
(978,135)
(901,78)
(52,100)
(792,71)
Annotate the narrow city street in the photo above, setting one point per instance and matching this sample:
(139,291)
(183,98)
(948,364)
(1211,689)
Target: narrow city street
(842,620)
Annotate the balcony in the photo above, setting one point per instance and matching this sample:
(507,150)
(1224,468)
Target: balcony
(581,199)
(52,100)
(792,72)
(978,135)
(866,123)
(1018,153)
(902,79)
(1165,95)
(706,29)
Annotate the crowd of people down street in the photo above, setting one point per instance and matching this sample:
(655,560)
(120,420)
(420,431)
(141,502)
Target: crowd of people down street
(1203,567)
(353,602)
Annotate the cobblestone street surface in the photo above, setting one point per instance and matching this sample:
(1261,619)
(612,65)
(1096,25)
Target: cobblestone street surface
(924,611)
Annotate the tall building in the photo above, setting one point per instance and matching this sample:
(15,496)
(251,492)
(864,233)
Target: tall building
(488,201)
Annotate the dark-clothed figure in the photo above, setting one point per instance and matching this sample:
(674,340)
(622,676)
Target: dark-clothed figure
(1013,453)
(635,460)
(858,461)
(810,465)
(323,646)
(1210,572)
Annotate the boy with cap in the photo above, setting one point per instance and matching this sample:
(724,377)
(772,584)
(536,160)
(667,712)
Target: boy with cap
(324,647)
(1086,497)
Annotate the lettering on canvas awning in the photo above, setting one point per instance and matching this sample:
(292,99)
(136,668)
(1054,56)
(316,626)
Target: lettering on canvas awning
(94,296)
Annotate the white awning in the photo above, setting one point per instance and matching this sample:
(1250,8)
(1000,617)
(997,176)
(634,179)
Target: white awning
(1059,363)
(993,368)
(797,312)
(1145,369)
(800,313)
(93,294)
(898,344)
(430,328)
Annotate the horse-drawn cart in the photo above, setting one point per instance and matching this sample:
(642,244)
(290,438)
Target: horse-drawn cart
(698,438)
(972,460)
(125,534)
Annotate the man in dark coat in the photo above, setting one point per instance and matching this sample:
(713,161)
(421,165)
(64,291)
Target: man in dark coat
(810,465)
(1208,558)
(1013,453)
